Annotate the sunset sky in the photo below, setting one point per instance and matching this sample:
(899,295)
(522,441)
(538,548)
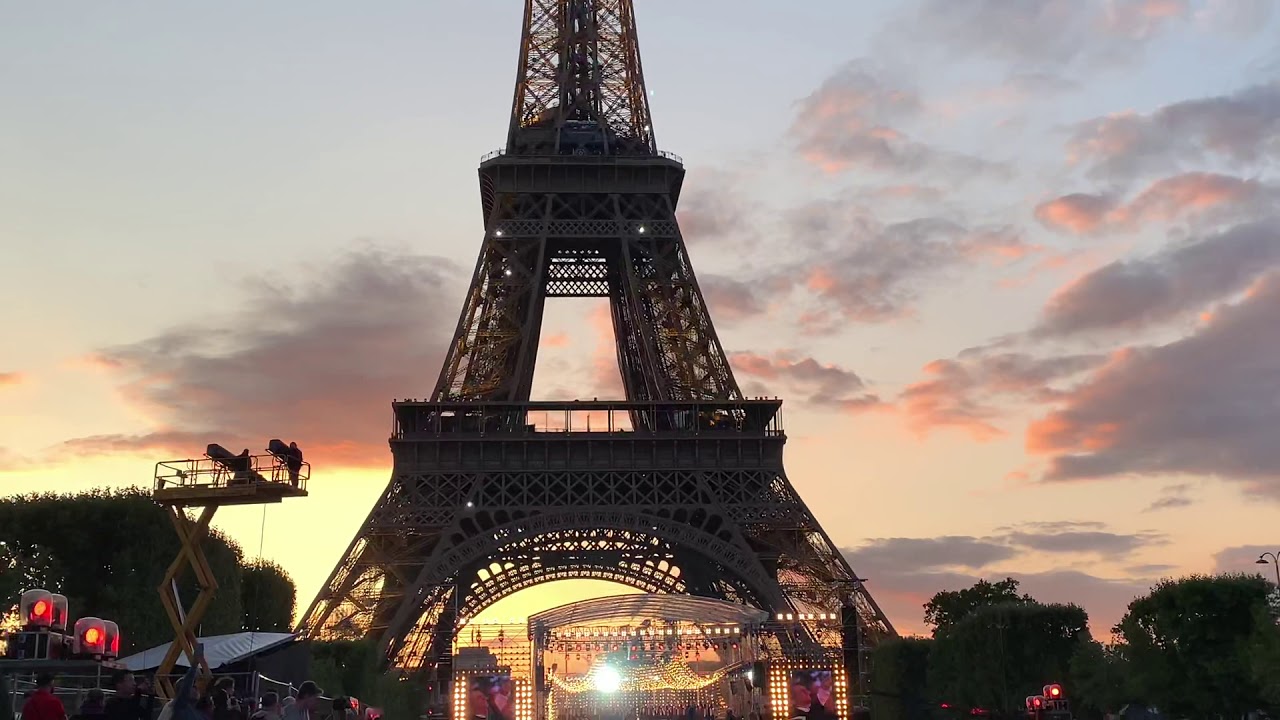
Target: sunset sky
(1013,265)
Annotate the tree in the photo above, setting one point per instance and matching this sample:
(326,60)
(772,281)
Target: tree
(949,607)
(268,597)
(1264,658)
(108,551)
(999,654)
(899,673)
(1187,643)
(346,667)
(1098,678)
(356,669)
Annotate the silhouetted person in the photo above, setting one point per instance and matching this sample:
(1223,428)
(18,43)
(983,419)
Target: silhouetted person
(270,709)
(242,464)
(43,704)
(293,460)
(94,706)
(308,699)
(129,702)
(184,705)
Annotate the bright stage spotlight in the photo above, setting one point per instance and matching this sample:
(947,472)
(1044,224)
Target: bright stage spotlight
(607,679)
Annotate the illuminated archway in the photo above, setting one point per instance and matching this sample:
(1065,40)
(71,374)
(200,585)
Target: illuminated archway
(625,547)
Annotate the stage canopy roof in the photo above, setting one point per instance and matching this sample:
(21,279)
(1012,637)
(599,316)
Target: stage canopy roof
(219,650)
(673,608)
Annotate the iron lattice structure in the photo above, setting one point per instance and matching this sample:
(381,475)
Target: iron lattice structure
(678,489)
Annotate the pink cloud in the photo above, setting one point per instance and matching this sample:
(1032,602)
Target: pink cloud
(848,123)
(555,340)
(1166,200)
(967,393)
(10,379)
(1078,213)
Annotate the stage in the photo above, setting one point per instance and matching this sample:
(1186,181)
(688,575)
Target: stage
(651,657)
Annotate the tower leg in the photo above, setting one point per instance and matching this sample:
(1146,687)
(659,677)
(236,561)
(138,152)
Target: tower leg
(185,624)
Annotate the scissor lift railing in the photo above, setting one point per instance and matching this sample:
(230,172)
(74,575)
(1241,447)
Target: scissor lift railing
(209,483)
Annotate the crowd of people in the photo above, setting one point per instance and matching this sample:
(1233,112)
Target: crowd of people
(134,699)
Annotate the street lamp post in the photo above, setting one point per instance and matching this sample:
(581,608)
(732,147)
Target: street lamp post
(1270,558)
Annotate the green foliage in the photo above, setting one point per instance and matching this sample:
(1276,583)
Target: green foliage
(1098,679)
(397,697)
(1263,655)
(268,596)
(999,654)
(1188,644)
(108,551)
(899,673)
(356,669)
(949,607)
(346,667)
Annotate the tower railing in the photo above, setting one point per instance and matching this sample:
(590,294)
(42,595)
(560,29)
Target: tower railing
(725,418)
(500,152)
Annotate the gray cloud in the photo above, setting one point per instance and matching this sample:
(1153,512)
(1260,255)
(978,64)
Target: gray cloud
(824,385)
(862,270)
(1173,498)
(1032,35)
(1242,128)
(1205,405)
(1169,503)
(318,364)
(1084,541)
(1243,559)
(903,573)
(1181,278)
(731,299)
(1149,571)
(712,208)
(947,552)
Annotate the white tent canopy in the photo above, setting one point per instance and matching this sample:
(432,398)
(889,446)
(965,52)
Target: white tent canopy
(219,650)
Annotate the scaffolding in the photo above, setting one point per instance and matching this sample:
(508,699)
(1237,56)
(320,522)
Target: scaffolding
(205,484)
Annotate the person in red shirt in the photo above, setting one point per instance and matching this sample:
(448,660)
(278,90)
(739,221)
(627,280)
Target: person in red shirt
(43,704)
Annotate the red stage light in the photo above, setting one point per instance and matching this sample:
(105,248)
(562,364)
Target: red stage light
(92,636)
(40,609)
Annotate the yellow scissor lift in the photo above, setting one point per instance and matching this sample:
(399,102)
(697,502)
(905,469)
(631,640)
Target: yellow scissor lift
(219,478)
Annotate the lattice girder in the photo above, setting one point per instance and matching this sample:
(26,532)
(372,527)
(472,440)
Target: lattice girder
(580,63)
(624,246)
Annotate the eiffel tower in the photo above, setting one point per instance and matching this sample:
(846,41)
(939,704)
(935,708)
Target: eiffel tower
(679,488)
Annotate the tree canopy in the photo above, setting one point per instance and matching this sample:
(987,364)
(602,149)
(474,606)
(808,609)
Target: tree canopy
(268,597)
(108,551)
(999,654)
(355,668)
(949,607)
(1192,645)
(898,684)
